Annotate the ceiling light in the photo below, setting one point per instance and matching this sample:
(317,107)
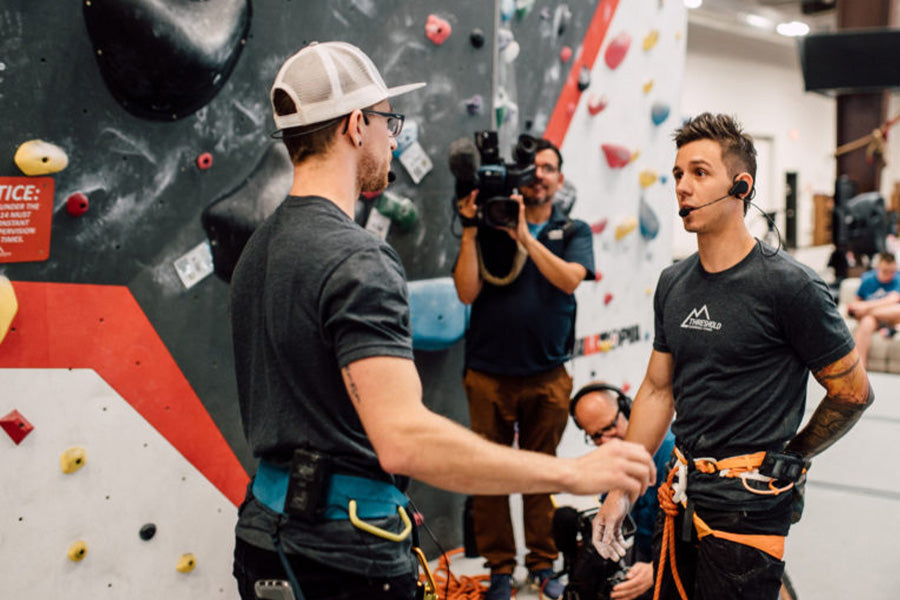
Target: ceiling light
(758,21)
(693,3)
(793,29)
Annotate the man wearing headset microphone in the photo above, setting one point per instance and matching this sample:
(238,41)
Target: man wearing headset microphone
(739,326)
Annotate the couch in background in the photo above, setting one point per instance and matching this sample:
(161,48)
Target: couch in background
(884,353)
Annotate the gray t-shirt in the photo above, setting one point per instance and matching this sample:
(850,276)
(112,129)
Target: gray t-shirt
(311,293)
(743,342)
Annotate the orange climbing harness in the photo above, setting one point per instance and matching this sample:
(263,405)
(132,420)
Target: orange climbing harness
(672,493)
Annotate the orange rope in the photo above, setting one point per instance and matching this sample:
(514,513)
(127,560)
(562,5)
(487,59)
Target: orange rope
(464,587)
(665,494)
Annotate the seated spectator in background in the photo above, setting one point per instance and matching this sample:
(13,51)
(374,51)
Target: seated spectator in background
(878,303)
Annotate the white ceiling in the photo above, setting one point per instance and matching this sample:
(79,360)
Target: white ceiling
(736,17)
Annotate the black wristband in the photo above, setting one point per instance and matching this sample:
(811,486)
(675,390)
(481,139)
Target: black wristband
(468,221)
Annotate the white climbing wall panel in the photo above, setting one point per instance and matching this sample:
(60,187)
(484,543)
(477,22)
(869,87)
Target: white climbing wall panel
(131,476)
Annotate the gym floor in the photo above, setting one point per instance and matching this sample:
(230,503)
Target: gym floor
(845,545)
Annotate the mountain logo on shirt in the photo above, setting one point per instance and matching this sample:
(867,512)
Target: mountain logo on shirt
(699,319)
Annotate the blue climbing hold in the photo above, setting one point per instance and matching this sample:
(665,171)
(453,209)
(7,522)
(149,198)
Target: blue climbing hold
(659,112)
(649,223)
(438,318)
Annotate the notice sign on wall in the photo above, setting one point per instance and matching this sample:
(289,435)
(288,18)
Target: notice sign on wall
(26,214)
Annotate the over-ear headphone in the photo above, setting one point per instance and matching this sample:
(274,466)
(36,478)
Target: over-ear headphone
(623,400)
(740,187)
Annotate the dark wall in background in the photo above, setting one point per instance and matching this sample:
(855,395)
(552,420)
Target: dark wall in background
(147,194)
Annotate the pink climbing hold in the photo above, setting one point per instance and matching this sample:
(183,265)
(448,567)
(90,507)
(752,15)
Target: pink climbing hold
(565,54)
(607,298)
(16,426)
(616,156)
(437,29)
(617,49)
(596,104)
(77,204)
(204,161)
(598,276)
(598,227)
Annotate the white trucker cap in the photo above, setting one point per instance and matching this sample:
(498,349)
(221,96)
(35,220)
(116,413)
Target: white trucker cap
(329,80)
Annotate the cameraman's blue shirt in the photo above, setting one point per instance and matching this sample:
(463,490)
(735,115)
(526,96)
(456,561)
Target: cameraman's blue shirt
(526,327)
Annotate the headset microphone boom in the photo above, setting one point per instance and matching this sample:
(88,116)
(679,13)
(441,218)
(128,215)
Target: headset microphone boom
(739,187)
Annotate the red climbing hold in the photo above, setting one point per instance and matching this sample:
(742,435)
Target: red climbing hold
(616,156)
(596,104)
(437,29)
(204,161)
(77,204)
(16,426)
(598,226)
(617,49)
(607,298)
(565,54)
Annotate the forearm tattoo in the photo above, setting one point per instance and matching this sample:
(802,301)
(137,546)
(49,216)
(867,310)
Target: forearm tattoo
(841,408)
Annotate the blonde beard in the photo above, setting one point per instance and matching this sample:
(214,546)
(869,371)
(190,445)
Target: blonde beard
(372,176)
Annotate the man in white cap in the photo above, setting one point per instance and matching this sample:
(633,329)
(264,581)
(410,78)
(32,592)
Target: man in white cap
(330,398)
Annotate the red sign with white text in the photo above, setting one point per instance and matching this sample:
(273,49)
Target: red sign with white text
(26,214)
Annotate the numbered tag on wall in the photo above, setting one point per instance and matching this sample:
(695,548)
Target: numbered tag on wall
(416,162)
(378,224)
(195,265)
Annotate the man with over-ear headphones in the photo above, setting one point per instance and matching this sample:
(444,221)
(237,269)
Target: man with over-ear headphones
(739,327)
(602,412)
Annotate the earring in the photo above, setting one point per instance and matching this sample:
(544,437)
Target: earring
(360,143)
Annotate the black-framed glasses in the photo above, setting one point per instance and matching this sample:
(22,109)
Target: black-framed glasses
(597,436)
(394,120)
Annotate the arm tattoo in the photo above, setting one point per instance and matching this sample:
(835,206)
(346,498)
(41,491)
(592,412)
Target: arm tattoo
(351,386)
(849,393)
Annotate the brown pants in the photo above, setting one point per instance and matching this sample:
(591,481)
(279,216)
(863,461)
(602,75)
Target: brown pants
(540,406)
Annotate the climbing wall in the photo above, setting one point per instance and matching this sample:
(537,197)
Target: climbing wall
(134,165)
(619,83)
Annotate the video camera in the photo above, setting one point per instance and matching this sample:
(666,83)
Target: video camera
(591,577)
(480,166)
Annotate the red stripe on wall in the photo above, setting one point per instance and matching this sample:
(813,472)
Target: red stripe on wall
(100,327)
(561,117)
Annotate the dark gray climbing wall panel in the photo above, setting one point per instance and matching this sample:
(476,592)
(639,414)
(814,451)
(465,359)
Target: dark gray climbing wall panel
(147,191)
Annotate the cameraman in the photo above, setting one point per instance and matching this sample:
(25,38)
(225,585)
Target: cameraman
(602,411)
(519,337)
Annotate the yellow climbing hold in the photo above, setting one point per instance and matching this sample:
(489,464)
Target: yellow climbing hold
(648,178)
(626,227)
(650,39)
(9,306)
(648,86)
(37,157)
(72,459)
(77,551)
(186,563)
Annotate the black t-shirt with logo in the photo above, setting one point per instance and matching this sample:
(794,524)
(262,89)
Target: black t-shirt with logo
(743,342)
